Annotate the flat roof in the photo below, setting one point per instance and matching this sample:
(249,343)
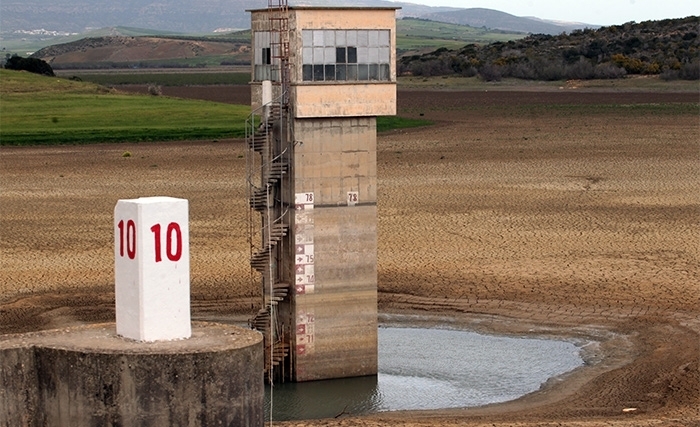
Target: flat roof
(328,8)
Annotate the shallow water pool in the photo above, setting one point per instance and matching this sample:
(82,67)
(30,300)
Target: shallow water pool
(423,368)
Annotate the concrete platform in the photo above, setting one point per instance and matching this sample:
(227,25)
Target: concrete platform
(88,375)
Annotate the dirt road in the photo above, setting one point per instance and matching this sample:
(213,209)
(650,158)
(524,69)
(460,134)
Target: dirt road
(513,214)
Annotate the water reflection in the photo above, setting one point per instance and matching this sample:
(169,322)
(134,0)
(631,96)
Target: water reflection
(431,369)
(323,399)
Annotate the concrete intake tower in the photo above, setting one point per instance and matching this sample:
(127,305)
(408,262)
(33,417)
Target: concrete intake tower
(320,77)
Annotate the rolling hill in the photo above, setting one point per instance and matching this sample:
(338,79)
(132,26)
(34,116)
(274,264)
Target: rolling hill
(494,19)
(121,47)
(19,17)
(145,51)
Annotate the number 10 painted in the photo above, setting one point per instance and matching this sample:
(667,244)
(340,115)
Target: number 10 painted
(173,240)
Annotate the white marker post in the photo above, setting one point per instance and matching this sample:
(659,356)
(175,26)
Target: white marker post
(152,268)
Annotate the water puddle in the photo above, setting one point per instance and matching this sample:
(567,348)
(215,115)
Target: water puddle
(431,369)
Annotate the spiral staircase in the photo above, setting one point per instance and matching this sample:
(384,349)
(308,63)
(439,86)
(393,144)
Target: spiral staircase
(268,137)
(268,164)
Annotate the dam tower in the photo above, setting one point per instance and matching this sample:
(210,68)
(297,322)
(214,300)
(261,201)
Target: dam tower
(320,78)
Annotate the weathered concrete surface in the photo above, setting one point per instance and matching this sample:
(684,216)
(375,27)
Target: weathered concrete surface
(345,100)
(344,301)
(337,321)
(89,376)
(335,156)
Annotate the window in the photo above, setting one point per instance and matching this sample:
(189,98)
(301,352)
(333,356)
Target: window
(346,55)
(340,55)
(264,63)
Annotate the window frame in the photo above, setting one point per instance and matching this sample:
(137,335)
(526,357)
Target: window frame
(359,55)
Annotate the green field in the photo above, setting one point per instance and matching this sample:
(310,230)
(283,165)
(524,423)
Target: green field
(38,110)
(628,84)
(174,78)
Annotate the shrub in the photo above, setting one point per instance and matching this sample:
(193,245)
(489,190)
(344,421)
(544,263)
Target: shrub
(631,65)
(490,73)
(549,70)
(432,67)
(669,75)
(155,90)
(469,71)
(690,71)
(581,70)
(609,71)
(521,71)
(33,65)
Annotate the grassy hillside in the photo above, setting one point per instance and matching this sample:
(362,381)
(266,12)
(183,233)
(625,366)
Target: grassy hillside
(422,35)
(38,110)
(175,78)
(497,20)
(43,110)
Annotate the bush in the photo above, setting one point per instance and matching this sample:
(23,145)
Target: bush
(155,90)
(490,73)
(550,71)
(690,71)
(581,70)
(609,71)
(33,65)
(432,67)
(469,72)
(521,71)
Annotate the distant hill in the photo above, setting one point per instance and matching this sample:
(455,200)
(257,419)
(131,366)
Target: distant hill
(186,16)
(206,16)
(118,51)
(122,47)
(415,35)
(669,47)
(489,18)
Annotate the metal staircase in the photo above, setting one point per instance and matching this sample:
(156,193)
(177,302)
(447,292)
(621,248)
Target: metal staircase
(268,138)
(268,165)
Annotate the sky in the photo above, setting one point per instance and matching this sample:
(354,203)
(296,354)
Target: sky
(596,12)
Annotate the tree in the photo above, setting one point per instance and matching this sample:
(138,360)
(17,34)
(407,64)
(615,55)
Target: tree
(33,65)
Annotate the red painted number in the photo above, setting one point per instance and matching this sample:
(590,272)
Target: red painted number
(173,240)
(173,253)
(127,238)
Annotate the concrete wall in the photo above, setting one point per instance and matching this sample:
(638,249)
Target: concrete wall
(337,321)
(344,301)
(350,100)
(89,376)
(19,398)
(334,156)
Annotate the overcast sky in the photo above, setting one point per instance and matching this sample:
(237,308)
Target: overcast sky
(598,12)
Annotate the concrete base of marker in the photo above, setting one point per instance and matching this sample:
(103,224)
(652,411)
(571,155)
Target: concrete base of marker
(88,375)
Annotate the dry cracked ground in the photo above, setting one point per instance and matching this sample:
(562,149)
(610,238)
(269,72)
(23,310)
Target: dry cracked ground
(555,213)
